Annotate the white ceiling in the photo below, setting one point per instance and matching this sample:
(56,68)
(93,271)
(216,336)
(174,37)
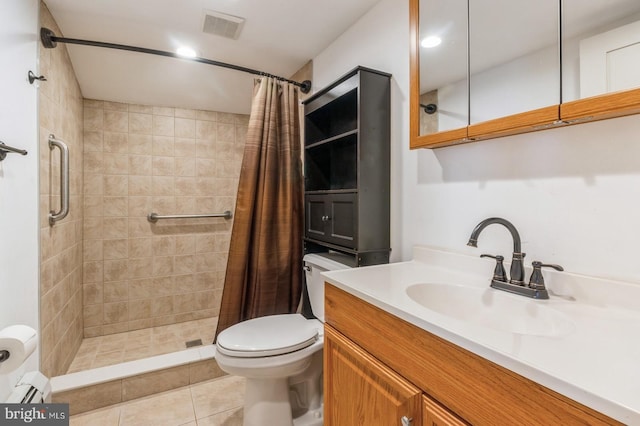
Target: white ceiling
(279,37)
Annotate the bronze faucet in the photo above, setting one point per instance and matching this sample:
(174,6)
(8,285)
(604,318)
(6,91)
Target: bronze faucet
(517,271)
(536,288)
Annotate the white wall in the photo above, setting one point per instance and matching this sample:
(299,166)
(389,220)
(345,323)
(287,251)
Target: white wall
(573,192)
(18,174)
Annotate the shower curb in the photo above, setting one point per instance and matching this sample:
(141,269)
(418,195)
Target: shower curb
(101,387)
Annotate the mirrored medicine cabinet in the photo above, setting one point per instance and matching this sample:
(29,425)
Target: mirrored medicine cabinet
(482,69)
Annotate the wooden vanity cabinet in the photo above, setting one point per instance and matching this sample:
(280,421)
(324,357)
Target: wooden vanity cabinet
(382,397)
(376,363)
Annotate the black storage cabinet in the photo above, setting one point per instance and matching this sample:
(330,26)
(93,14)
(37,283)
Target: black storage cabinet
(346,158)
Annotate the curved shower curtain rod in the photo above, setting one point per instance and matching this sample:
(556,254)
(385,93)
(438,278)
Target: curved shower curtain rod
(50,40)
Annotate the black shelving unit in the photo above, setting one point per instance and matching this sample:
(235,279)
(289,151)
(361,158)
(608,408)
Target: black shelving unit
(346,156)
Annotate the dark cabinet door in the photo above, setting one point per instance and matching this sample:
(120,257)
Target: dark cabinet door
(332,218)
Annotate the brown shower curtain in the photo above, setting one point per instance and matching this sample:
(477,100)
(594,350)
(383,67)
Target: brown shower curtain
(264,270)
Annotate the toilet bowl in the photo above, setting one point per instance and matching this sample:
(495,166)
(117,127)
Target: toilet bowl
(281,357)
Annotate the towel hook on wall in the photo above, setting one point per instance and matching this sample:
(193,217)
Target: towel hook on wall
(32,77)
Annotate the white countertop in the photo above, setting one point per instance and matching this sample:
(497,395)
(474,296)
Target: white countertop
(595,361)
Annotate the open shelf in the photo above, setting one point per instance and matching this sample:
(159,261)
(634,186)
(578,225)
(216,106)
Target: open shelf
(332,166)
(337,117)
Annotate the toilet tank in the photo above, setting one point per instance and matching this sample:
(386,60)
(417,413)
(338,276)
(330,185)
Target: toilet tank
(314,265)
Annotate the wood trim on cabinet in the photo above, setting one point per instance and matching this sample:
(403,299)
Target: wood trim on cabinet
(601,107)
(434,414)
(440,139)
(414,79)
(433,140)
(479,391)
(523,122)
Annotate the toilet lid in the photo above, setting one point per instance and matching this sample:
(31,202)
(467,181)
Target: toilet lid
(268,336)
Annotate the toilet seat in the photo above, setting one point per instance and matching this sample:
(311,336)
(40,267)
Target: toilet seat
(268,336)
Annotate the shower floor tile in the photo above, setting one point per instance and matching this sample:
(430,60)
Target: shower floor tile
(113,349)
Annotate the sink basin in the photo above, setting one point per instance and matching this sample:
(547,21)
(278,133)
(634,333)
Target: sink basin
(491,309)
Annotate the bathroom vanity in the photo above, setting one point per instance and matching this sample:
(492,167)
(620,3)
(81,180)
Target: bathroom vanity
(397,355)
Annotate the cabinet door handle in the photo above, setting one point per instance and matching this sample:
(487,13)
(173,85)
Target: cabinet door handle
(326,218)
(406,421)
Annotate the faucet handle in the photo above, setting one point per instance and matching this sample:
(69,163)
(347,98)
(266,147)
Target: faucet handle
(499,274)
(536,281)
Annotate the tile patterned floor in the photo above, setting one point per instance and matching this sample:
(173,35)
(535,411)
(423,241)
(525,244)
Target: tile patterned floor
(216,402)
(112,349)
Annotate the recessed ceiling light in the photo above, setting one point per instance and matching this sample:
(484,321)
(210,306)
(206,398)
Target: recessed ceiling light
(430,41)
(186,52)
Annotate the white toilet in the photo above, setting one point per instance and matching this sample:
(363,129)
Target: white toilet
(281,357)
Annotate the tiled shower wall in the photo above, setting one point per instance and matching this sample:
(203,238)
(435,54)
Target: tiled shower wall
(140,159)
(60,113)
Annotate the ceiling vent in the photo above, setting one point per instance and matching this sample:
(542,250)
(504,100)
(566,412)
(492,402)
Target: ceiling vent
(221,24)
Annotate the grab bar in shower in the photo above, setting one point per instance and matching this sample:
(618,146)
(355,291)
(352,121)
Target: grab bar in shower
(64,180)
(154,217)
(5,149)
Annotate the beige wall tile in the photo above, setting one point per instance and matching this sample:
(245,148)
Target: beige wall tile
(140,159)
(93,141)
(141,268)
(116,206)
(139,309)
(116,121)
(116,249)
(163,166)
(226,133)
(140,247)
(206,130)
(116,292)
(140,185)
(116,312)
(185,147)
(163,126)
(141,289)
(116,142)
(140,144)
(140,165)
(115,227)
(163,145)
(93,119)
(141,123)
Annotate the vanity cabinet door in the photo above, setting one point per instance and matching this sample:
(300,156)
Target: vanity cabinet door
(359,390)
(434,414)
(332,218)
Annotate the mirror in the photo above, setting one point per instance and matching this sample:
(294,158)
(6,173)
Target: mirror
(601,47)
(442,44)
(514,57)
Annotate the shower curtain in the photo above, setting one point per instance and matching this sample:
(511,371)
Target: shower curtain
(264,269)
